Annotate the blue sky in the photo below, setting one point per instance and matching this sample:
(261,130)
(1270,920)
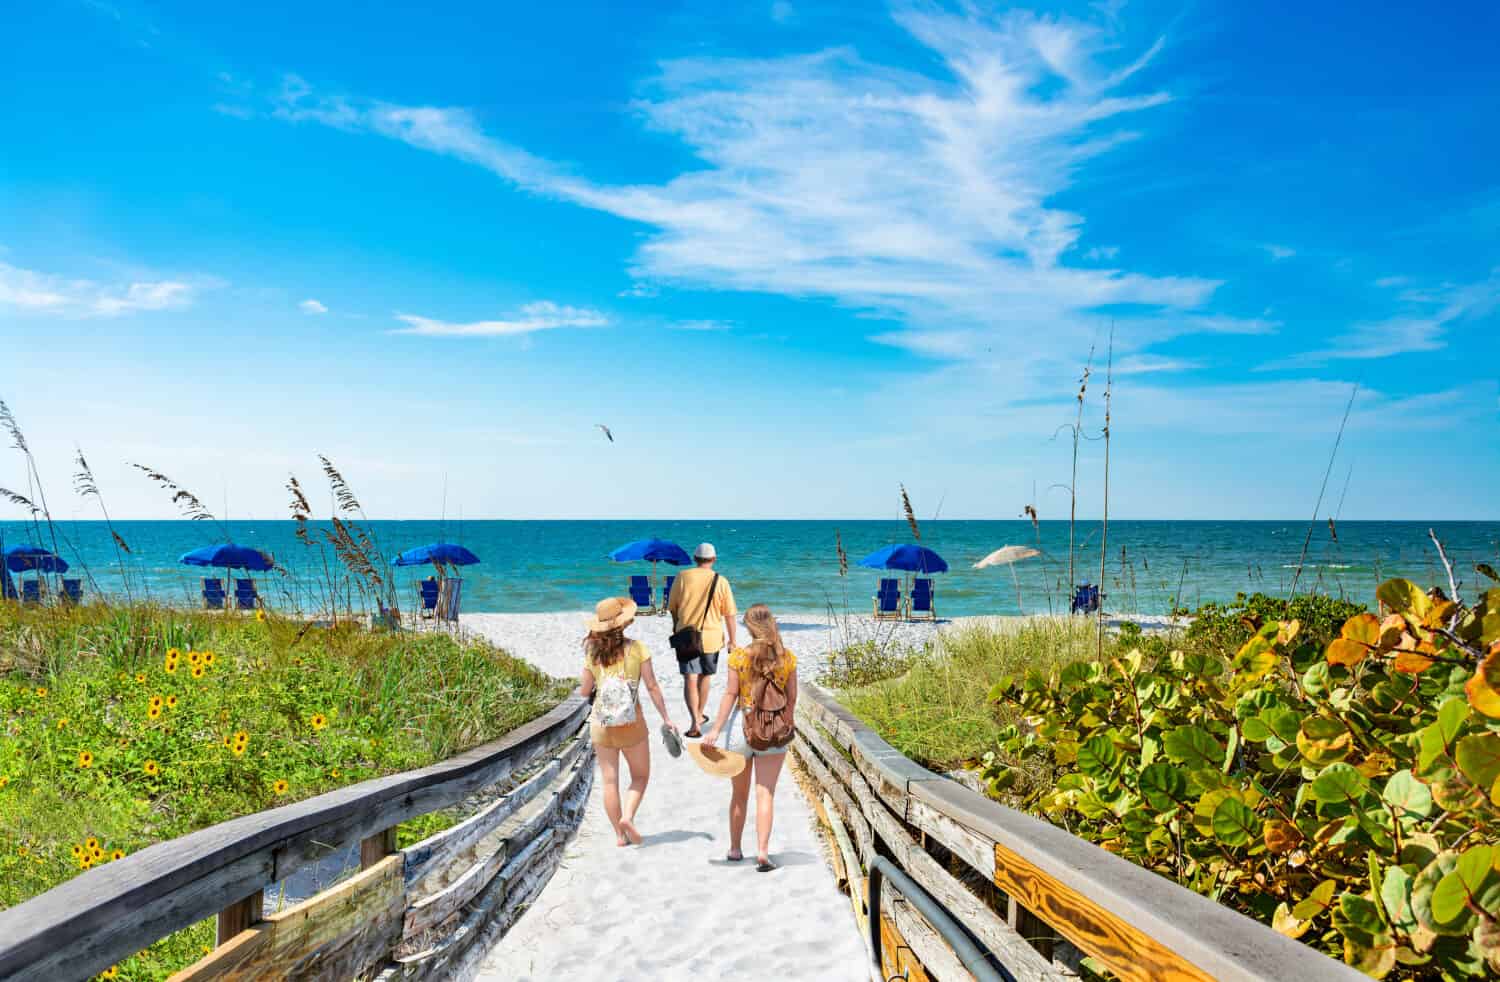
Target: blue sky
(792,255)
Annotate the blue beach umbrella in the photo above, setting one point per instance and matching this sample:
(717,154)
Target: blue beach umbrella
(437,553)
(21,559)
(229,556)
(907,558)
(652,551)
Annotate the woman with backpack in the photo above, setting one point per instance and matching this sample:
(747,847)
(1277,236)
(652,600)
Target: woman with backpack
(613,669)
(756,713)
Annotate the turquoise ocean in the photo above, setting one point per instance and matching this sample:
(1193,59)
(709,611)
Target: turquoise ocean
(793,565)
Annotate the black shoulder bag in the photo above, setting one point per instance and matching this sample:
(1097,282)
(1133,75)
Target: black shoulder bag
(688,642)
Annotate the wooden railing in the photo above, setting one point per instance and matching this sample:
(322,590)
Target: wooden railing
(412,913)
(1034,897)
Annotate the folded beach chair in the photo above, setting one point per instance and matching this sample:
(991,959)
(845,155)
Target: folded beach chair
(213,593)
(245,597)
(31,591)
(666,591)
(921,607)
(7,588)
(427,598)
(450,599)
(1085,599)
(640,592)
(888,601)
(72,591)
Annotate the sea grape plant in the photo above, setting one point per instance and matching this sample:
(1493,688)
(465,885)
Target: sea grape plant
(1347,792)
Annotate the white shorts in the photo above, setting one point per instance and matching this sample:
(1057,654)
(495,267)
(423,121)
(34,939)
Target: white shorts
(734,738)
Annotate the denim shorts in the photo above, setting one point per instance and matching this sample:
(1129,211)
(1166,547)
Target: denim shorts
(704,664)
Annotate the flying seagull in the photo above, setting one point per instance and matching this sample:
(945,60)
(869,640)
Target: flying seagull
(607,433)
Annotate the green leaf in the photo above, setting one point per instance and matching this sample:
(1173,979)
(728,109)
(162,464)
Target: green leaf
(1097,756)
(1410,797)
(1315,679)
(1404,597)
(1163,786)
(1323,740)
(1258,655)
(1479,758)
(1423,889)
(1361,913)
(1450,904)
(1255,730)
(1235,823)
(1339,783)
(1199,665)
(1193,746)
(1283,722)
(1395,893)
(1316,902)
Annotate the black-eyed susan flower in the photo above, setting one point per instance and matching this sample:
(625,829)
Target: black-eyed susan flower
(85,758)
(140,677)
(4,780)
(90,844)
(97,855)
(173,654)
(41,692)
(260,616)
(280,786)
(154,712)
(116,854)
(152,768)
(110,972)
(334,772)
(23,850)
(170,667)
(195,658)
(318,721)
(208,659)
(171,702)
(198,671)
(78,851)
(62,724)
(86,862)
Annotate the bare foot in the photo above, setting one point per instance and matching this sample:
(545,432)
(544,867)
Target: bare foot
(619,837)
(628,830)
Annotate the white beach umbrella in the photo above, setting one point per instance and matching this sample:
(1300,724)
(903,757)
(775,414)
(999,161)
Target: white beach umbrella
(1006,555)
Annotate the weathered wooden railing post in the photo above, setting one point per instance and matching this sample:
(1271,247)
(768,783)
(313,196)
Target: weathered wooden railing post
(238,916)
(374,848)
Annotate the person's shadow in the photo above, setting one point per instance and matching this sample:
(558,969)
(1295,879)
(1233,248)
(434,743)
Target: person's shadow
(675,835)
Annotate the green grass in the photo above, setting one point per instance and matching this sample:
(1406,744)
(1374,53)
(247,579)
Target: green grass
(110,744)
(937,711)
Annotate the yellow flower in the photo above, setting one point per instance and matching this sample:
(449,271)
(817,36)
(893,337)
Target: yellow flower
(151,768)
(109,973)
(62,724)
(154,712)
(173,654)
(85,862)
(280,787)
(171,702)
(140,676)
(90,844)
(260,615)
(4,780)
(78,851)
(85,759)
(318,721)
(197,671)
(334,772)
(41,692)
(23,850)
(97,855)
(117,854)
(171,666)
(195,658)
(208,659)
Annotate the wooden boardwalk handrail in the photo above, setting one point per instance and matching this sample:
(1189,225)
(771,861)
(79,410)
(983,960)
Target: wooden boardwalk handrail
(102,916)
(1137,924)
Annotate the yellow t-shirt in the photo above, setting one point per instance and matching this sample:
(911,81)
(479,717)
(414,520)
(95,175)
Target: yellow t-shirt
(739,661)
(628,667)
(690,593)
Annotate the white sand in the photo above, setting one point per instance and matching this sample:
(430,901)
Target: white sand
(673,908)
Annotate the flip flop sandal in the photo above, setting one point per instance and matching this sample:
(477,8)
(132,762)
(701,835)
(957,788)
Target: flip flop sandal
(764,866)
(734,859)
(672,740)
(693,734)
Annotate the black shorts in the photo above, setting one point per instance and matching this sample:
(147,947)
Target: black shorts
(704,664)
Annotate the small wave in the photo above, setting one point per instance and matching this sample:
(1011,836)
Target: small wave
(1317,566)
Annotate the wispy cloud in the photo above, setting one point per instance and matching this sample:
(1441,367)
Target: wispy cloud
(639,290)
(543,315)
(1278,252)
(46,293)
(783,12)
(1152,364)
(1391,282)
(1098,253)
(311,306)
(701,325)
(923,198)
(1423,327)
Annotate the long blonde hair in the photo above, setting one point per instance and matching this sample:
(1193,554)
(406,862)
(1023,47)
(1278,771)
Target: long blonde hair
(605,648)
(765,650)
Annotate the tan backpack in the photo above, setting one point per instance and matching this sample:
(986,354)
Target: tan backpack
(768,721)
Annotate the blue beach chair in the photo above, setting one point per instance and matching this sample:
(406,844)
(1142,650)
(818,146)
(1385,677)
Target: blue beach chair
(666,591)
(1085,599)
(427,598)
(72,591)
(640,592)
(245,597)
(921,607)
(213,593)
(888,601)
(31,591)
(7,588)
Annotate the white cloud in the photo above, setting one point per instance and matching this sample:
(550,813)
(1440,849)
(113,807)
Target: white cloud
(1102,253)
(311,306)
(639,290)
(701,325)
(1413,331)
(45,293)
(922,198)
(542,315)
(1391,282)
(1150,364)
(1278,252)
(783,12)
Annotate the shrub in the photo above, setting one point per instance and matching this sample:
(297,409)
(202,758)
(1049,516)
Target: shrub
(1345,790)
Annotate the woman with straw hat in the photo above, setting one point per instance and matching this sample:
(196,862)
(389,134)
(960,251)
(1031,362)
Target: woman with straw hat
(613,669)
(766,660)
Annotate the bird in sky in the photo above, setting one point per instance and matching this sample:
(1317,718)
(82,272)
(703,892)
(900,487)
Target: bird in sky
(606,431)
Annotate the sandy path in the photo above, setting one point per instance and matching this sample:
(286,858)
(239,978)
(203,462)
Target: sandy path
(673,908)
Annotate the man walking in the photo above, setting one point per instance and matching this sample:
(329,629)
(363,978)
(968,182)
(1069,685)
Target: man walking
(701,599)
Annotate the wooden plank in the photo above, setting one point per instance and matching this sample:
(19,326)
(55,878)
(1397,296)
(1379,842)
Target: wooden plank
(238,916)
(897,959)
(886,768)
(828,814)
(925,945)
(852,816)
(438,851)
(340,933)
(374,848)
(972,847)
(100,917)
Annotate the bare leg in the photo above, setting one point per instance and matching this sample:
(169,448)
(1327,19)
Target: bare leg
(767,770)
(639,759)
(739,799)
(609,773)
(692,694)
(703,683)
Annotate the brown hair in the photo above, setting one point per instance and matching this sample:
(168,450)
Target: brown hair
(604,648)
(766,651)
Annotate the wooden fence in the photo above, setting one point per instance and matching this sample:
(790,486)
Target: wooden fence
(1034,897)
(416,913)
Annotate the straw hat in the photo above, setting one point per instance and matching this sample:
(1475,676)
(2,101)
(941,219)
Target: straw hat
(716,761)
(612,613)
